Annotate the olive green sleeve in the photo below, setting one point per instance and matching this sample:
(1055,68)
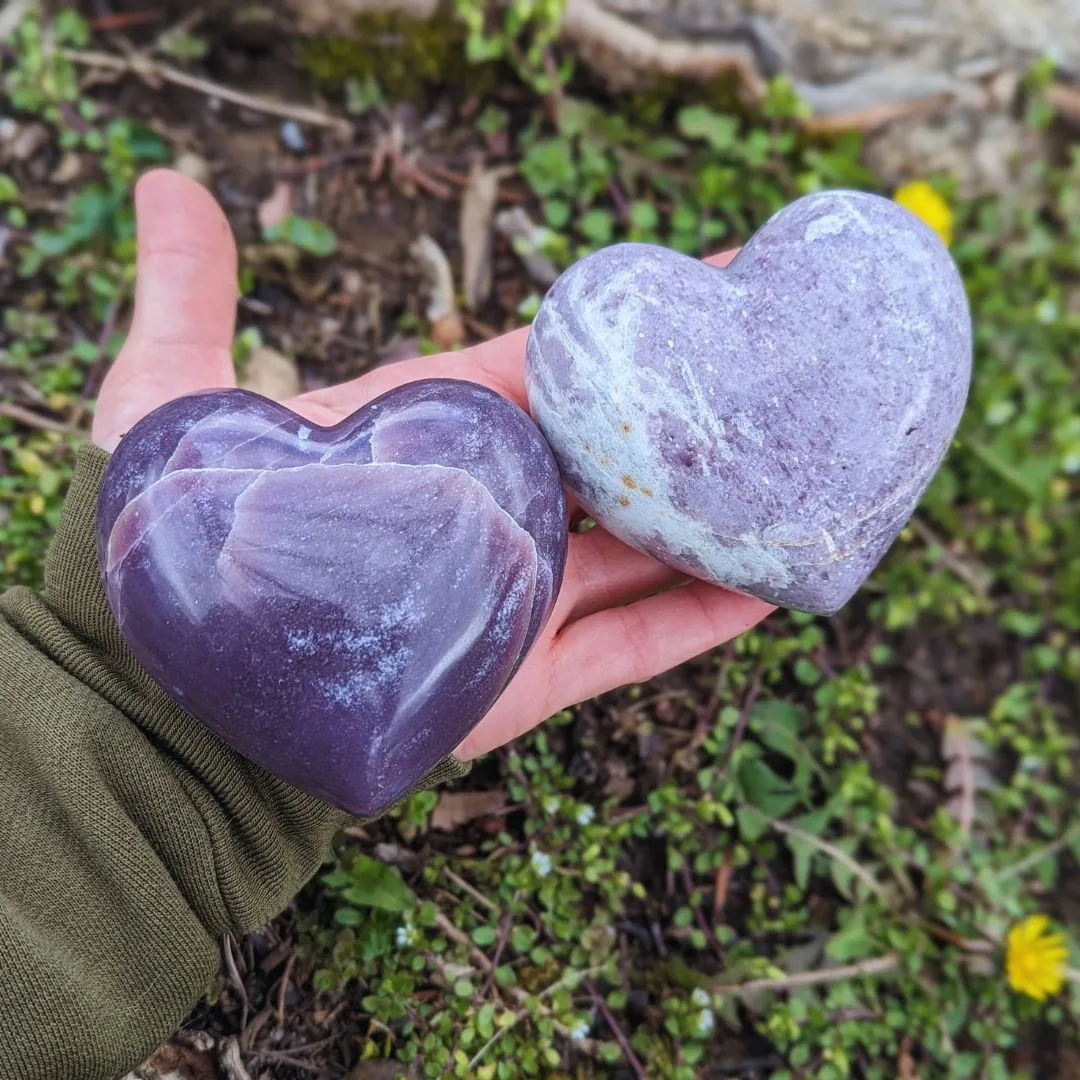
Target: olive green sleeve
(131,838)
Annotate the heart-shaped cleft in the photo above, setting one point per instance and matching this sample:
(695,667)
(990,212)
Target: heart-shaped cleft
(341,605)
(770,426)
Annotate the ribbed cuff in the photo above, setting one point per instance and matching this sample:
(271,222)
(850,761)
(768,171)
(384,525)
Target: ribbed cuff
(73,585)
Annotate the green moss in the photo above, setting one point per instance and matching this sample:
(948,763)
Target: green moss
(408,58)
(663,93)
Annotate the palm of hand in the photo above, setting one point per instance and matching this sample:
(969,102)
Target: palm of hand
(621,617)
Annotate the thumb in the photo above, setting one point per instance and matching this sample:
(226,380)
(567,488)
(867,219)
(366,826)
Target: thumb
(185,305)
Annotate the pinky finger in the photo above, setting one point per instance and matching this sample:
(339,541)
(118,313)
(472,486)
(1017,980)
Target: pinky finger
(631,644)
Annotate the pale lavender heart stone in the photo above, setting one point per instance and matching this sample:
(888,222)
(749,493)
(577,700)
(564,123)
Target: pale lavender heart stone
(342,605)
(770,426)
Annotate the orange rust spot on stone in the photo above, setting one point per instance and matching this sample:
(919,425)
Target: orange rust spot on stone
(627,427)
(629,481)
(624,500)
(647,492)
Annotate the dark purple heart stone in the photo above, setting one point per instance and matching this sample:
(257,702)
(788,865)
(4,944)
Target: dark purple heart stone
(770,426)
(342,605)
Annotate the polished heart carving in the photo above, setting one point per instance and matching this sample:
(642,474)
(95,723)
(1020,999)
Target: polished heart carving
(770,426)
(342,605)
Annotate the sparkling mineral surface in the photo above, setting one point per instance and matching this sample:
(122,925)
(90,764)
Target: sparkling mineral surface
(342,605)
(770,426)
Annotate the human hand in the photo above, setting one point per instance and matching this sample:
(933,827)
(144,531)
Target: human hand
(621,617)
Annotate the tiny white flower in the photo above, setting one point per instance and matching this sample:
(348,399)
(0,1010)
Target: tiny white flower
(705,1022)
(406,935)
(1046,311)
(551,804)
(701,997)
(541,863)
(585,815)
(580,1031)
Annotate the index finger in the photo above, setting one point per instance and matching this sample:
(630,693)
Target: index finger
(185,305)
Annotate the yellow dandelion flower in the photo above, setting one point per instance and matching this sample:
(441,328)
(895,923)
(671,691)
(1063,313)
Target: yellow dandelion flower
(1035,958)
(927,205)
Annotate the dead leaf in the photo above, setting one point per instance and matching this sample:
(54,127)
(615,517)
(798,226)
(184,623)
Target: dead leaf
(185,1057)
(477,211)
(68,169)
(436,267)
(29,141)
(276,208)
(447,327)
(457,807)
(396,855)
(271,374)
(526,238)
(967,774)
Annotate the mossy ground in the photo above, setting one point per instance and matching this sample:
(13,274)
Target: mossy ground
(409,59)
(796,857)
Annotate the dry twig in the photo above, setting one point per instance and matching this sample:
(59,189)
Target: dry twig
(465,887)
(1029,862)
(123,20)
(442,310)
(31,419)
(235,979)
(286,975)
(878,966)
(589,25)
(526,238)
(974,576)
(874,116)
(616,1030)
(145,68)
(839,855)
(285,1059)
